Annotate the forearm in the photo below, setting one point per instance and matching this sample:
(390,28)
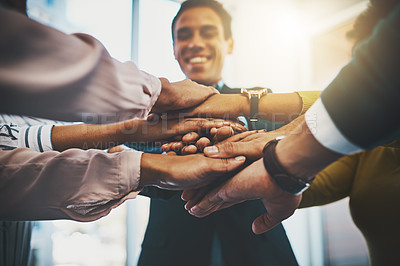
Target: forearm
(276,107)
(84,136)
(75,184)
(70,78)
(301,154)
(279,107)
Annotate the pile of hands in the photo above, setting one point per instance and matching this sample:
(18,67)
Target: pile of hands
(246,181)
(217,162)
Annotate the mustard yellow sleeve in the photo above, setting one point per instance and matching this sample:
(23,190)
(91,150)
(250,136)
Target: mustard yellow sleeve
(308,98)
(333,183)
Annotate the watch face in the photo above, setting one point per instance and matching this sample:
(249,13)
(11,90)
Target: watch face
(258,93)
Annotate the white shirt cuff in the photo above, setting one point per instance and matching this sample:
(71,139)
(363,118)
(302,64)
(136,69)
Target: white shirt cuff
(325,131)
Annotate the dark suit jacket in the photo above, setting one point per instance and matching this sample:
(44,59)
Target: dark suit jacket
(364,99)
(174,237)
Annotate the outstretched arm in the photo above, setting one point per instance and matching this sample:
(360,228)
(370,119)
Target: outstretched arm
(73,78)
(106,136)
(276,107)
(87,185)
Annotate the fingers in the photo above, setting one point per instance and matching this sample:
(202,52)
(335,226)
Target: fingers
(118,148)
(172,146)
(194,196)
(191,137)
(264,223)
(202,143)
(224,166)
(278,209)
(204,125)
(190,149)
(188,194)
(203,204)
(223,196)
(239,137)
(227,150)
(222,133)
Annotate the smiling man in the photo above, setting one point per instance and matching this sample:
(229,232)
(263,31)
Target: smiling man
(201,43)
(202,39)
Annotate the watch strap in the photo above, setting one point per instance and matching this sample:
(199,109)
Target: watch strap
(286,181)
(254,109)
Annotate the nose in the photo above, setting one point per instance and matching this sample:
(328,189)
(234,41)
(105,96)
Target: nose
(196,42)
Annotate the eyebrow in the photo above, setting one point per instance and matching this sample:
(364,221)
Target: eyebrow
(209,27)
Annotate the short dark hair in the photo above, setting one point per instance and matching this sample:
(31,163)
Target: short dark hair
(214,5)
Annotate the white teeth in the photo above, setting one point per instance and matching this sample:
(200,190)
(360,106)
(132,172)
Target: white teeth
(198,60)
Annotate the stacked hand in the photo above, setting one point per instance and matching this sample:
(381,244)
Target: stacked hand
(252,182)
(205,181)
(181,95)
(193,142)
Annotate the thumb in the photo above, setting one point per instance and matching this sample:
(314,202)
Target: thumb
(224,166)
(227,150)
(264,223)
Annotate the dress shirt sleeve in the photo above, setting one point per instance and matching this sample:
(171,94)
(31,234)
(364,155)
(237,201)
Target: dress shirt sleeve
(75,184)
(361,106)
(333,183)
(67,77)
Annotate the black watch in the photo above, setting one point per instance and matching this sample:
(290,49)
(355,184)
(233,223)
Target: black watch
(286,181)
(254,96)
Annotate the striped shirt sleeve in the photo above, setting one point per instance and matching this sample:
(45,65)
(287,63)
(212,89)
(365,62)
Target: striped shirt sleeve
(36,137)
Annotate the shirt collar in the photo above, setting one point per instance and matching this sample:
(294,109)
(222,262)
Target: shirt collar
(219,85)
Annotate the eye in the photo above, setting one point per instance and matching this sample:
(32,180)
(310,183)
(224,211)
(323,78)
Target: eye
(184,34)
(209,32)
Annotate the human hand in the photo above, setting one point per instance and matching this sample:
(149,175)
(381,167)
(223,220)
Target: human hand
(194,142)
(118,148)
(181,95)
(226,106)
(251,183)
(165,130)
(185,172)
(249,144)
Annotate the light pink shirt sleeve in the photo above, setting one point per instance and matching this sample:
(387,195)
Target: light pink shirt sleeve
(75,184)
(46,73)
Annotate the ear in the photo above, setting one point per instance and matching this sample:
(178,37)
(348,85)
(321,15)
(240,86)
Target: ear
(230,45)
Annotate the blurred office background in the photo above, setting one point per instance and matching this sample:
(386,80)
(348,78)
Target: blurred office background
(285,45)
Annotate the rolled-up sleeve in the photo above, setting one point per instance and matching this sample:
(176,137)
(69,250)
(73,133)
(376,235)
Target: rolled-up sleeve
(67,77)
(75,184)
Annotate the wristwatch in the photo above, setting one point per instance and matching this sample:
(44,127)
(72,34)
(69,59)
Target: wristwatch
(254,96)
(286,181)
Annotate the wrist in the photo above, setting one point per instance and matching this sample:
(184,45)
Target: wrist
(301,154)
(152,169)
(243,104)
(254,95)
(279,174)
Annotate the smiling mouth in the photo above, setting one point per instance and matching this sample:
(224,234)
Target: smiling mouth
(197,60)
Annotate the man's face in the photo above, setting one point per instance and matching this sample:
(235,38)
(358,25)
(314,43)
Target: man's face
(200,46)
